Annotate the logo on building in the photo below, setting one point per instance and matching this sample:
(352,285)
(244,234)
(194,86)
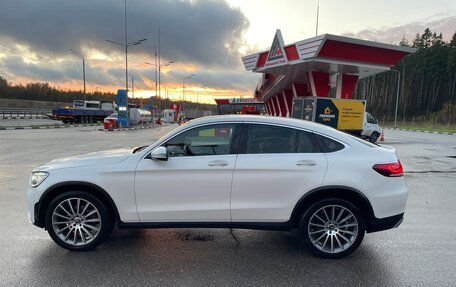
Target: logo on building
(276,55)
(327,115)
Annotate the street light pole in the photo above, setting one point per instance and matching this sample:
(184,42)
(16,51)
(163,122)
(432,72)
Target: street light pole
(83,70)
(126,44)
(84,76)
(158,67)
(197,104)
(397,95)
(183,90)
(133,88)
(126,50)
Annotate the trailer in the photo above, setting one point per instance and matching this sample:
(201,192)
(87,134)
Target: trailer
(191,114)
(343,114)
(84,112)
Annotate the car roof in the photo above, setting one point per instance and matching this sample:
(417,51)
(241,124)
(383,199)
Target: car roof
(298,123)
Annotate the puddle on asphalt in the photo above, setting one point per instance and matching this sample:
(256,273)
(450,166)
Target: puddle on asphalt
(192,236)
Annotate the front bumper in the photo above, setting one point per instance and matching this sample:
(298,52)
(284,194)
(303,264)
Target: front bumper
(379,224)
(33,204)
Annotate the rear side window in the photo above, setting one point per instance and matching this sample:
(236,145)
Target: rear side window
(328,145)
(307,143)
(262,139)
(270,139)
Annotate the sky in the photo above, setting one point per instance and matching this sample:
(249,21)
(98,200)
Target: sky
(204,38)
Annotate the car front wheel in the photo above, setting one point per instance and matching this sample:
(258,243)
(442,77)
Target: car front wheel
(332,228)
(78,221)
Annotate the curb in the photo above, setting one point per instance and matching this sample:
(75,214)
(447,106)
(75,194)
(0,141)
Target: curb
(131,129)
(45,127)
(422,131)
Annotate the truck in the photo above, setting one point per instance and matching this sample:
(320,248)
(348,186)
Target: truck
(371,128)
(346,115)
(168,116)
(84,112)
(191,114)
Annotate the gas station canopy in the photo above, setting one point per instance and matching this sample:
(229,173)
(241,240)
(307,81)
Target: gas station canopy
(322,66)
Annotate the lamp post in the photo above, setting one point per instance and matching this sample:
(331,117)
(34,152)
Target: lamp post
(133,88)
(183,90)
(83,70)
(397,95)
(158,67)
(126,44)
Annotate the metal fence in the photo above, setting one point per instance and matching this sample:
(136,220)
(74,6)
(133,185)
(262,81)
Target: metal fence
(24,113)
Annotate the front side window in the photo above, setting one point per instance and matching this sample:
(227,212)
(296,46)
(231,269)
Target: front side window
(206,140)
(274,139)
(370,119)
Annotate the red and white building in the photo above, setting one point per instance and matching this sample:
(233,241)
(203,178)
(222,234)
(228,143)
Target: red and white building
(322,66)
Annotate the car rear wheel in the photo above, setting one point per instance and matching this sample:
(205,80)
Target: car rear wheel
(78,221)
(332,228)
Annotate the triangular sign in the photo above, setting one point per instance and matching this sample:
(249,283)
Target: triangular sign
(276,54)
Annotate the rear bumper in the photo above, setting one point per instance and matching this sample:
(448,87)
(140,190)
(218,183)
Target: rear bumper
(377,224)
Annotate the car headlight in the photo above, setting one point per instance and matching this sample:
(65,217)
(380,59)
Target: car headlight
(38,177)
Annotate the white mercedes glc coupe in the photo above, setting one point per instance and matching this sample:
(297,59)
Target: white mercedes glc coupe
(234,171)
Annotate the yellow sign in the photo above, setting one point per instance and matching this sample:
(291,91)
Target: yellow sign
(351,114)
(207,133)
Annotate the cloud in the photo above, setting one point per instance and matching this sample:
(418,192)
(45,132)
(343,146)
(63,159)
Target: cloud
(392,35)
(205,34)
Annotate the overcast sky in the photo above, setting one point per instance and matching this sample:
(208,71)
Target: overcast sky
(205,38)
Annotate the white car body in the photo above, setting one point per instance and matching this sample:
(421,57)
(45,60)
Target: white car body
(258,190)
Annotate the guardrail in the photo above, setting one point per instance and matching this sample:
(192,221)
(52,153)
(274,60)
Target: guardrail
(24,114)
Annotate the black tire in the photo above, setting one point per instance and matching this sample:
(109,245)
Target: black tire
(373,137)
(316,236)
(79,225)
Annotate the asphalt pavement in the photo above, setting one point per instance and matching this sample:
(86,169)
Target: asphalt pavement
(421,252)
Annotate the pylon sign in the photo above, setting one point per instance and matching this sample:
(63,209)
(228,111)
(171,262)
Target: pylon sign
(276,55)
(122,105)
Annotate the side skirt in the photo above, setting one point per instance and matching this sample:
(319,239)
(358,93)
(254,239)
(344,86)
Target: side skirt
(284,226)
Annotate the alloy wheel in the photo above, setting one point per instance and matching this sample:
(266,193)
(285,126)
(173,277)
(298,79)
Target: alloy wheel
(76,221)
(333,229)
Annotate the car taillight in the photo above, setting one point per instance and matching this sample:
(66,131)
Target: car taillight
(389,169)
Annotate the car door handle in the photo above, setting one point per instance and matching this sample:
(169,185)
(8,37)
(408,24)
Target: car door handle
(306,163)
(218,163)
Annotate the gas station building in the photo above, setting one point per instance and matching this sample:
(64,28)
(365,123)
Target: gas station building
(326,66)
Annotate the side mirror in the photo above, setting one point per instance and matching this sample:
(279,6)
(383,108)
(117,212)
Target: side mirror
(159,153)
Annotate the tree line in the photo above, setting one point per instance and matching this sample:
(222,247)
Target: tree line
(427,83)
(44,92)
